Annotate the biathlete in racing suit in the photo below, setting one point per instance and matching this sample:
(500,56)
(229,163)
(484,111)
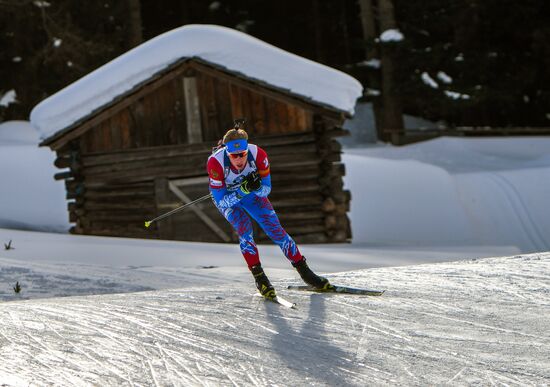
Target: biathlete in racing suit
(240,183)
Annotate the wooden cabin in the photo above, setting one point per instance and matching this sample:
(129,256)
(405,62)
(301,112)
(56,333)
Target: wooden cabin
(144,153)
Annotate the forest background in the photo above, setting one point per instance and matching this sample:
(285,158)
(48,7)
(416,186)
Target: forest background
(454,62)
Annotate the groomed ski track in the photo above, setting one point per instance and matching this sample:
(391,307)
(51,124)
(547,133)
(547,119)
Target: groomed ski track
(462,323)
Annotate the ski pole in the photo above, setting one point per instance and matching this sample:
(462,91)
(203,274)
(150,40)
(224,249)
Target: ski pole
(182,207)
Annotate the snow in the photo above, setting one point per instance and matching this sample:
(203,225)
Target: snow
(8,98)
(452,191)
(362,125)
(455,95)
(153,312)
(391,35)
(234,50)
(463,323)
(30,198)
(372,63)
(428,80)
(444,77)
(41,4)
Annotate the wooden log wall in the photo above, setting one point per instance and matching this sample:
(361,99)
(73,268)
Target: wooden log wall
(113,193)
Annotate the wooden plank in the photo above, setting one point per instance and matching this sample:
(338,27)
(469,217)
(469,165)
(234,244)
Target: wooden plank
(268,90)
(162,195)
(267,141)
(235,97)
(125,132)
(292,115)
(202,216)
(246,104)
(95,139)
(116,132)
(190,230)
(209,112)
(181,117)
(149,125)
(281,116)
(271,117)
(155,131)
(302,121)
(168,102)
(258,113)
(144,154)
(136,115)
(120,103)
(192,110)
(191,181)
(106,140)
(283,156)
(194,164)
(223,103)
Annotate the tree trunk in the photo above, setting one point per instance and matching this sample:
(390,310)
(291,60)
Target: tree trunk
(317,27)
(369,27)
(135,35)
(368,23)
(392,116)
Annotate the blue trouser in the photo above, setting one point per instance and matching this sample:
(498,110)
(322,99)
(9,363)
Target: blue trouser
(261,210)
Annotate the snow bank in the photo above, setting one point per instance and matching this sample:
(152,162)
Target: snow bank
(222,46)
(30,198)
(452,191)
(18,133)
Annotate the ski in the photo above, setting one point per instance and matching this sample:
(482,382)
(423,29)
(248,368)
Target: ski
(339,289)
(278,300)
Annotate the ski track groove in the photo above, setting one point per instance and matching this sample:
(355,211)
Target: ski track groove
(185,339)
(153,375)
(520,210)
(86,354)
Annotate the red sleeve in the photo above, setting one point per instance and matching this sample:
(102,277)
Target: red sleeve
(215,173)
(262,163)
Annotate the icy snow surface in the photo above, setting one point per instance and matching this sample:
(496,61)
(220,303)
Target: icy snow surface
(463,323)
(222,46)
(196,322)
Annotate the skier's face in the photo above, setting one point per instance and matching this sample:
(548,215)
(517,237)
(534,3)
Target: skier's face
(238,160)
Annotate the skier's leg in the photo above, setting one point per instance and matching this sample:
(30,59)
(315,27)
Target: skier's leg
(262,211)
(239,219)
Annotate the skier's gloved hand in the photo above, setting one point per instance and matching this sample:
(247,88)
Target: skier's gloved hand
(253,181)
(243,190)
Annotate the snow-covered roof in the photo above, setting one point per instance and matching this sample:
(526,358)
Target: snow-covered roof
(221,46)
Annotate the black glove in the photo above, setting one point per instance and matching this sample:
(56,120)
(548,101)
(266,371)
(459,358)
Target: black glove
(252,182)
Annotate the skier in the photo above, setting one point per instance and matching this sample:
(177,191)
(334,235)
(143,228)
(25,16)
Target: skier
(240,183)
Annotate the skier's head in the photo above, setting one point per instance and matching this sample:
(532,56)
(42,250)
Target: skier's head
(236,146)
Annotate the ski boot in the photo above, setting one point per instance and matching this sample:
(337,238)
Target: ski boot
(262,282)
(309,277)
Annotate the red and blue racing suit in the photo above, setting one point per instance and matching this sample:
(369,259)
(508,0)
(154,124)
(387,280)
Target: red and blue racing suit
(224,186)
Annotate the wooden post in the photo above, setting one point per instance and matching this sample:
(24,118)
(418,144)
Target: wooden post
(162,196)
(192,110)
